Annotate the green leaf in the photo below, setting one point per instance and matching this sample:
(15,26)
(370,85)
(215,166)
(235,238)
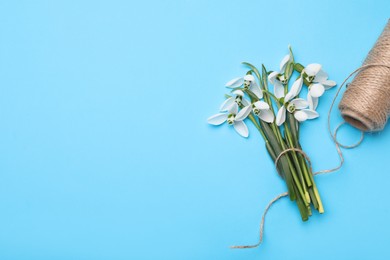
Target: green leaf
(293,126)
(302,208)
(291,53)
(289,69)
(255,70)
(265,77)
(251,95)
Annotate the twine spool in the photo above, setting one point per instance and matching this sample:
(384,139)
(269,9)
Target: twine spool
(366,102)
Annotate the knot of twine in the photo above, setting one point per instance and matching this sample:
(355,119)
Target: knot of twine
(365,105)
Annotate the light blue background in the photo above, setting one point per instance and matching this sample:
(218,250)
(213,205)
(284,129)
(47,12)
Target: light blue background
(106,153)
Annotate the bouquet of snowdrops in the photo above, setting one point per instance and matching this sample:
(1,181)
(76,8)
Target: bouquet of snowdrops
(277,116)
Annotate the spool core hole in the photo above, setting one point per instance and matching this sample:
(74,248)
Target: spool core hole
(356,123)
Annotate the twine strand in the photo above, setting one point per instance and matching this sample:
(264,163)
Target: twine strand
(285,194)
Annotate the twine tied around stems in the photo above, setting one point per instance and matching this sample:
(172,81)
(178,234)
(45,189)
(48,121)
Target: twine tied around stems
(365,105)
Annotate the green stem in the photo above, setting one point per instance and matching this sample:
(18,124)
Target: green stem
(273,96)
(252,118)
(313,191)
(294,132)
(297,164)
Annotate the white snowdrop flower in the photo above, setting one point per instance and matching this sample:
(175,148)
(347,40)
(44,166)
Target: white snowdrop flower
(237,98)
(248,82)
(278,79)
(232,117)
(313,102)
(263,111)
(260,109)
(311,70)
(296,87)
(297,107)
(278,85)
(319,81)
(284,62)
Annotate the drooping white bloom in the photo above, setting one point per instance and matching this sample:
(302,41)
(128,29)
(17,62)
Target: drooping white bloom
(295,88)
(249,83)
(284,62)
(297,107)
(237,98)
(260,109)
(278,79)
(263,111)
(319,83)
(232,117)
(278,85)
(313,102)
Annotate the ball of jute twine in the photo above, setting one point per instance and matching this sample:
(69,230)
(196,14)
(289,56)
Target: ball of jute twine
(366,102)
(365,105)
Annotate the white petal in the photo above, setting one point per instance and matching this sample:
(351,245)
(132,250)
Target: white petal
(313,102)
(217,119)
(227,104)
(244,112)
(272,76)
(261,105)
(234,83)
(241,128)
(281,116)
(256,90)
(267,116)
(300,116)
(233,109)
(329,84)
(245,102)
(312,69)
(288,97)
(278,89)
(238,92)
(311,114)
(297,86)
(249,77)
(299,103)
(321,76)
(316,90)
(284,61)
